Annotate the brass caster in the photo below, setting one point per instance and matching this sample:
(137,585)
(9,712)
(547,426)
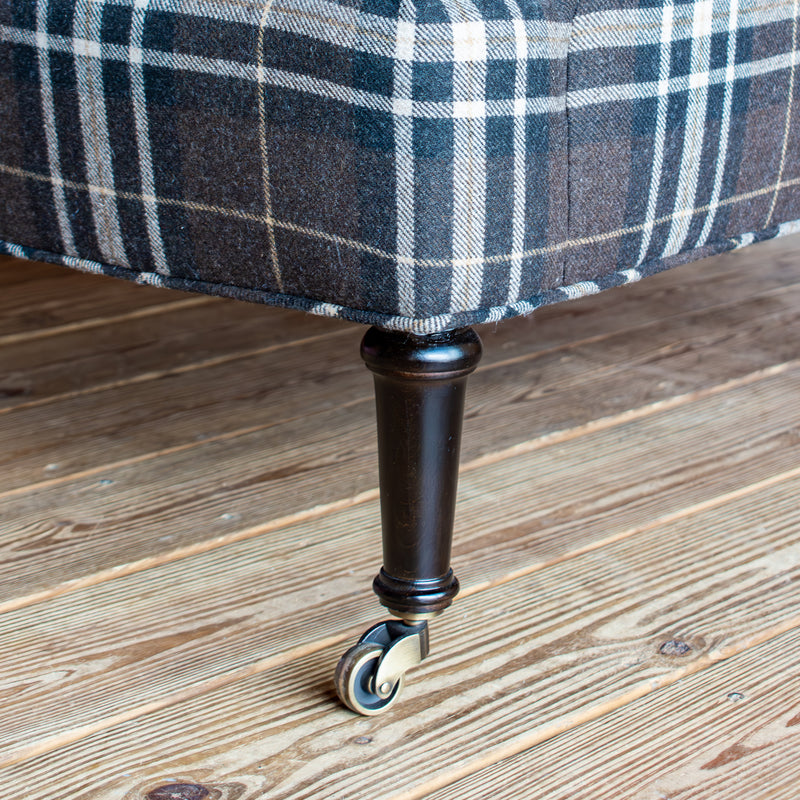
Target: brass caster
(369,676)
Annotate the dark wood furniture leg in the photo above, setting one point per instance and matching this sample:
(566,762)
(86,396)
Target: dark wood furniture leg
(420,383)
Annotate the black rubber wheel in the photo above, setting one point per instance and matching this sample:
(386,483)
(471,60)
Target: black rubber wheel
(354,680)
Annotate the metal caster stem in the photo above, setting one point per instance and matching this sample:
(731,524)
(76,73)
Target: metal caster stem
(370,675)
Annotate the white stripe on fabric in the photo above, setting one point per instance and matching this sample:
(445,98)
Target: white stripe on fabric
(377,102)
(614,27)
(520,153)
(665,58)
(263,149)
(373,35)
(469,151)
(788,121)
(725,123)
(641,91)
(404,54)
(431,324)
(695,125)
(445,263)
(94,129)
(288,80)
(631,275)
(40,40)
(581,289)
(144,147)
(343,25)
(325,309)
(785,228)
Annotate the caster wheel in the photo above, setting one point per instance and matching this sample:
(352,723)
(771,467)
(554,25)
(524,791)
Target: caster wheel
(355,679)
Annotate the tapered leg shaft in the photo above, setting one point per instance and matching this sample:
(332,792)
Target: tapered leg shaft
(419,391)
(419,388)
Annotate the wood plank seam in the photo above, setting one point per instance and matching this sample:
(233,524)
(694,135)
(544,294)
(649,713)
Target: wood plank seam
(185,552)
(99,322)
(556,437)
(592,713)
(643,748)
(545,440)
(666,519)
(292,654)
(144,457)
(219,682)
(184,369)
(612,421)
(179,693)
(157,374)
(632,329)
(599,373)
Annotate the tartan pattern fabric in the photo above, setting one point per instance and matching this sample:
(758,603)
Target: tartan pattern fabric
(417,164)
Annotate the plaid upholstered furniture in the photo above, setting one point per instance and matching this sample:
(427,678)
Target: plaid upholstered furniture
(417,165)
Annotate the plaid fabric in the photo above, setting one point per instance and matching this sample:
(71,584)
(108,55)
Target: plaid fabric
(418,164)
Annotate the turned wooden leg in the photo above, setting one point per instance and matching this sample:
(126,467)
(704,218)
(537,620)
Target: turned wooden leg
(419,390)
(420,383)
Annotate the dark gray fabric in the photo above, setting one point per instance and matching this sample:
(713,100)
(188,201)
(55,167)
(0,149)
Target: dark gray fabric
(419,164)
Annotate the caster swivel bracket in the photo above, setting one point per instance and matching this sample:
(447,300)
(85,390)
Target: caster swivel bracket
(408,646)
(370,674)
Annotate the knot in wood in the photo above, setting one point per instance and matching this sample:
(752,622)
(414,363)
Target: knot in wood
(178,791)
(675,647)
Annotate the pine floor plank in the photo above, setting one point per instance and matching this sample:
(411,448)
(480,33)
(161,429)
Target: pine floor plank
(141,418)
(147,348)
(179,408)
(162,614)
(40,300)
(514,665)
(95,653)
(732,730)
(83,360)
(124,420)
(115,515)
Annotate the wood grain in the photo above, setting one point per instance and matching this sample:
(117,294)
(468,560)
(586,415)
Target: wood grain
(181,407)
(515,664)
(85,359)
(42,300)
(153,419)
(139,510)
(136,349)
(732,730)
(558,502)
(630,478)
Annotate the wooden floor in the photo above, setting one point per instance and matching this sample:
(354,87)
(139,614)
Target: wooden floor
(189,528)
